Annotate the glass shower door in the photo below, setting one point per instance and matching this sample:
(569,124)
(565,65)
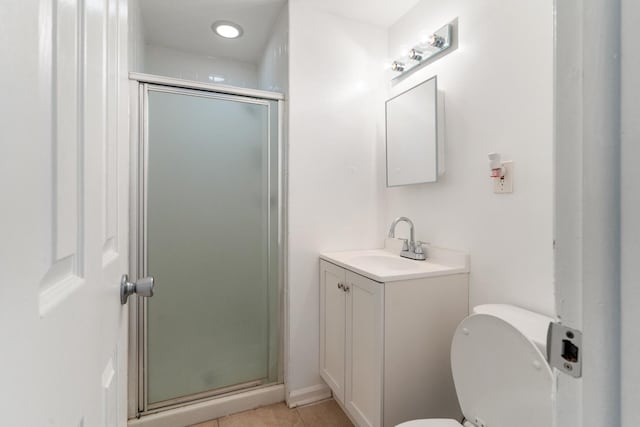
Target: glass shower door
(212,242)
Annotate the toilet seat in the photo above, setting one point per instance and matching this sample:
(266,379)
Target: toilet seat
(439,422)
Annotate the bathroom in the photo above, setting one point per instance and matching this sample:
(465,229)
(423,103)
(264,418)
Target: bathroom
(548,88)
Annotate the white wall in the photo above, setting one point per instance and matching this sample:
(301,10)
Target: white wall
(273,69)
(498,89)
(169,62)
(136,37)
(336,87)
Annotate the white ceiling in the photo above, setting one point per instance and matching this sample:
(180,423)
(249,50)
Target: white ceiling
(378,12)
(186,25)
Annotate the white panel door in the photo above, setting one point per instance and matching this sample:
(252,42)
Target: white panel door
(365,325)
(332,327)
(63,221)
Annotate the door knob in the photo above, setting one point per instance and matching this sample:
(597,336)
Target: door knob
(143,287)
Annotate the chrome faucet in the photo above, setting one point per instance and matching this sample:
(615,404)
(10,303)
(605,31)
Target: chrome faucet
(410,249)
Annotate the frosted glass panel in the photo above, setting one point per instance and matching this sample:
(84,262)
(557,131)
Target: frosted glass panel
(210,226)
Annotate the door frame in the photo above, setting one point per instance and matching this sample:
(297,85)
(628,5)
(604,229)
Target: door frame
(630,213)
(587,143)
(139,85)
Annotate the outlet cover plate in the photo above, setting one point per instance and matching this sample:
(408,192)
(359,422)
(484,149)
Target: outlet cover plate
(504,184)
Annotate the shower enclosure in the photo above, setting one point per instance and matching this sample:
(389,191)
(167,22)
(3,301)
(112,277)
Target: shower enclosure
(209,226)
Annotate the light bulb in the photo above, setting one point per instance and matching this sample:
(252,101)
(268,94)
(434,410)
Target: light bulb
(226,29)
(397,66)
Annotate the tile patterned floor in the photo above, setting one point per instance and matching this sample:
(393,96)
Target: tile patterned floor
(323,414)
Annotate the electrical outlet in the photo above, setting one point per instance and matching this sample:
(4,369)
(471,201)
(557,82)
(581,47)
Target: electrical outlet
(504,184)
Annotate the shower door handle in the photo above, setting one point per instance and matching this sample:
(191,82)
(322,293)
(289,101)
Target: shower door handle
(143,287)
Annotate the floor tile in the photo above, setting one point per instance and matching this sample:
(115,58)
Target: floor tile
(212,423)
(269,416)
(324,414)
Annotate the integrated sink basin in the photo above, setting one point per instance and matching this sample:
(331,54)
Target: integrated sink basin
(383,265)
(386,261)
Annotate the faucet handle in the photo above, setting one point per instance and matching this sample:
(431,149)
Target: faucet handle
(419,249)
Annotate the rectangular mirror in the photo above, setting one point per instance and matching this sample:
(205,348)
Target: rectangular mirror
(412,135)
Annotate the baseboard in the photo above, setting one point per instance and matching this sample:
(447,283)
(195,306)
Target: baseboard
(307,395)
(212,409)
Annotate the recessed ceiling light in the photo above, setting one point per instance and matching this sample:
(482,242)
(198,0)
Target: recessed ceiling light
(226,29)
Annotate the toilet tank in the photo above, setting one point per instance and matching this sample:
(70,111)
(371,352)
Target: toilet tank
(532,325)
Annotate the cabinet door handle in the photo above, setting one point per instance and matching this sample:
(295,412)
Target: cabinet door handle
(346,288)
(340,286)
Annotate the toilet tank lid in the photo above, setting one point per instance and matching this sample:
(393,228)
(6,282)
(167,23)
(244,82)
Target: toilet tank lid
(532,325)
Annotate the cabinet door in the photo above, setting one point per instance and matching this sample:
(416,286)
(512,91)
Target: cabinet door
(332,327)
(364,350)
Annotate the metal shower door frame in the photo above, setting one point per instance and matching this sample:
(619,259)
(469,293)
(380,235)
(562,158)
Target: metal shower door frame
(141,84)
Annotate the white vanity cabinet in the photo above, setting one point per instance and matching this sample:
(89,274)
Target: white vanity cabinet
(351,329)
(385,346)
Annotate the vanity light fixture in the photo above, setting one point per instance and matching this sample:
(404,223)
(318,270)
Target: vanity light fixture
(427,48)
(227,29)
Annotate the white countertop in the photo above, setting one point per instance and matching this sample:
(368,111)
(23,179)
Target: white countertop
(385,265)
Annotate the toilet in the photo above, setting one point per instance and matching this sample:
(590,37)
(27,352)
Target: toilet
(500,370)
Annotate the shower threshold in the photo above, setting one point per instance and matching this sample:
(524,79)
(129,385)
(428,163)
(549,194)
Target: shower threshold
(199,409)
